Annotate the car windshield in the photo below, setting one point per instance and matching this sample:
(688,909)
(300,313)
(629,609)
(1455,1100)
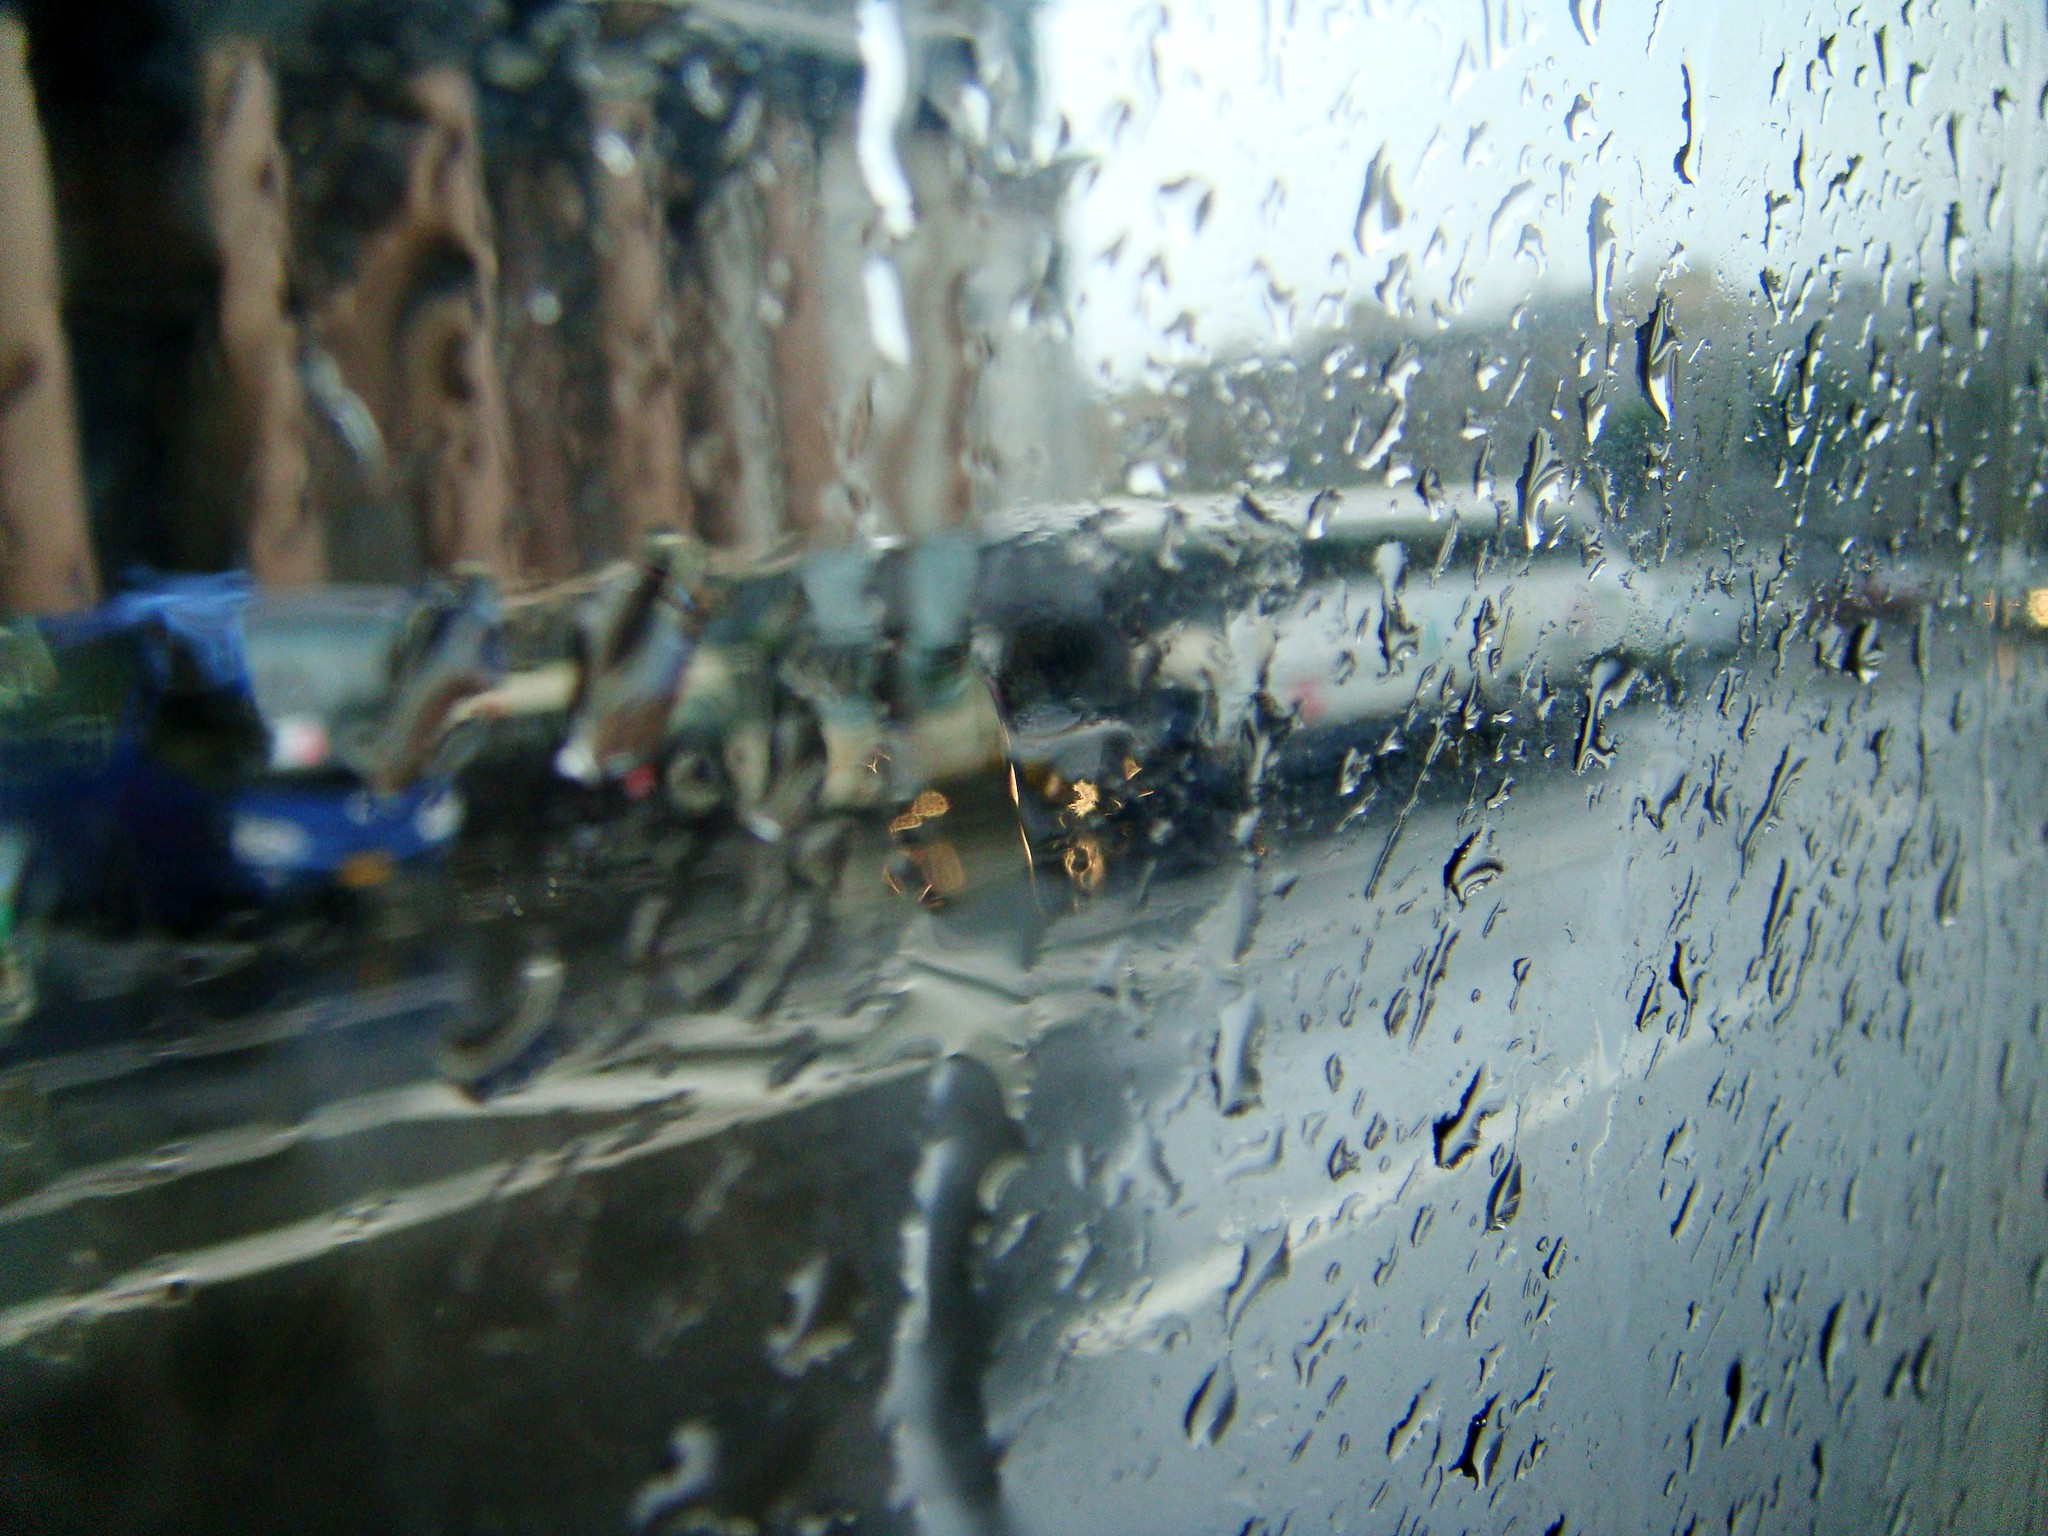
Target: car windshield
(323,660)
(80,697)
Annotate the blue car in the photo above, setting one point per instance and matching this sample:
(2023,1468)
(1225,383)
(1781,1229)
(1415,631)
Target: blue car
(191,746)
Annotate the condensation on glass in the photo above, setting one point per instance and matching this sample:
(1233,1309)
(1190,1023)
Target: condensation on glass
(871,765)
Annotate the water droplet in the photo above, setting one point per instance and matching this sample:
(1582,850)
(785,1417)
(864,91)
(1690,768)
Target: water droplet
(1593,411)
(1262,1264)
(1954,243)
(1317,522)
(1601,245)
(1831,1342)
(888,324)
(1401,370)
(1464,70)
(816,1328)
(884,91)
(1375,453)
(1578,119)
(1469,868)
(933,1402)
(1586,18)
(1738,1404)
(1457,1133)
(1213,1406)
(1236,922)
(1607,686)
(1343,1162)
(1481,1453)
(1422,1412)
(1657,359)
(1234,1063)
(693,1464)
(1380,212)
(1397,635)
(707,92)
(1544,480)
(1687,161)
(1857,652)
(615,154)
(1504,1200)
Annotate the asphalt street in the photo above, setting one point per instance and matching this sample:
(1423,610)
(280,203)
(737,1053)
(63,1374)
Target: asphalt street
(1259,1187)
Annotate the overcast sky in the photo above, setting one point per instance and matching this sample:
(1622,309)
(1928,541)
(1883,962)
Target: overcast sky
(1500,124)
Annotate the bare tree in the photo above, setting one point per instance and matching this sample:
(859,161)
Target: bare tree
(246,192)
(539,393)
(752,487)
(415,334)
(637,320)
(46,559)
(803,376)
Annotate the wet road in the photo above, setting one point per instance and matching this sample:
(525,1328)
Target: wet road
(1267,1189)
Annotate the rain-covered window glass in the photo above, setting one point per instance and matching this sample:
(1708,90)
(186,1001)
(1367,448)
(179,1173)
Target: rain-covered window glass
(972,766)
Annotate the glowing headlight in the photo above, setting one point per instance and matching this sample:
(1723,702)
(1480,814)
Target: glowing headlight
(577,763)
(440,818)
(298,741)
(268,842)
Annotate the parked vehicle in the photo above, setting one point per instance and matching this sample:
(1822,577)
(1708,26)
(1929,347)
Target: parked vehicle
(630,647)
(1179,661)
(1150,661)
(196,747)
